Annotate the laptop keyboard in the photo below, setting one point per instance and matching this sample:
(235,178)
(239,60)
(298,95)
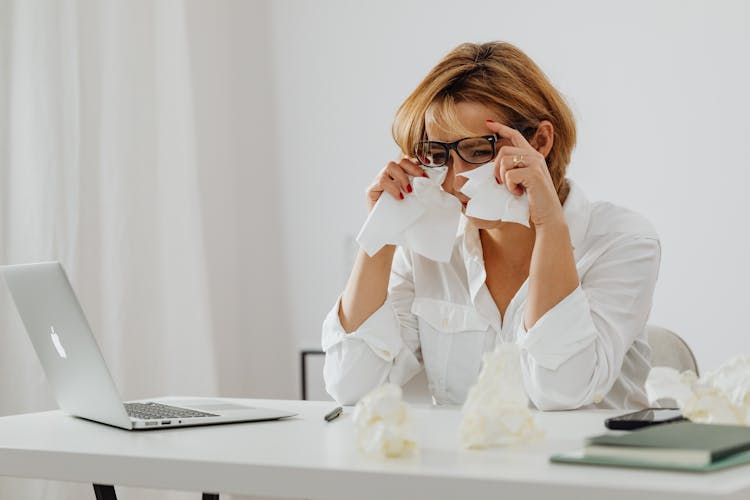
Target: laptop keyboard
(158,410)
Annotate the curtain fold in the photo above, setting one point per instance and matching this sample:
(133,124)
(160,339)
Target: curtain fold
(105,165)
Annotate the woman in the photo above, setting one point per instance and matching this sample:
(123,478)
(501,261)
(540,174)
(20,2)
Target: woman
(573,290)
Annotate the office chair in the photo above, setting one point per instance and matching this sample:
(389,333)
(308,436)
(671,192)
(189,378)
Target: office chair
(669,349)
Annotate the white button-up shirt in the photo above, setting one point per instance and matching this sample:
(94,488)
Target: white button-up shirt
(589,350)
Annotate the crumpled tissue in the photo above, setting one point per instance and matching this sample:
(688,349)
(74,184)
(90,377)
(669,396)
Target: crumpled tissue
(425,221)
(718,397)
(496,411)
(492,201)
(383,424)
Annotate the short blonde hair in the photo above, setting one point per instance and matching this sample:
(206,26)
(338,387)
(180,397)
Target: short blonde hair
(501,77)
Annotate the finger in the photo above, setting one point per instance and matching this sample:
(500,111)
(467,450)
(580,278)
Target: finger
(373,192)
(412,167)
(388,184)
(513,151)
(515,180)
(397,174)
(509,157)
(516,138)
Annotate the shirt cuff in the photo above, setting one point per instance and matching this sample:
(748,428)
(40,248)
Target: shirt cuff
(560,333)
(381,332)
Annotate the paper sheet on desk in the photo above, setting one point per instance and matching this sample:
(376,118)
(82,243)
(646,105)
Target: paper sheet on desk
(492,201)
(425,221)
(719,397)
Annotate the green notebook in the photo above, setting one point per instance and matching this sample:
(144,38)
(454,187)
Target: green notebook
(677,446)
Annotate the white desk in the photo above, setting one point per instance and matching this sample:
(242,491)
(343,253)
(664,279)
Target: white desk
(305,457)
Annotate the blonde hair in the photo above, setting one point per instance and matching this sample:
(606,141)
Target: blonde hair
(501,77)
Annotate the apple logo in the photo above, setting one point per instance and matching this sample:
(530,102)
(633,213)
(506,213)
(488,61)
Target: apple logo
(56,342)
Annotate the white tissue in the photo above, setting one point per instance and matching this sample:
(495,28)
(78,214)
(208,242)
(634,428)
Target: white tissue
(720,397)
(382,423)
(425,221)
(492,201)
(496,411)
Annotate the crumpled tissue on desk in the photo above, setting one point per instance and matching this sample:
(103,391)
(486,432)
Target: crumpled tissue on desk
(383,423)
(496,411)
(718,397)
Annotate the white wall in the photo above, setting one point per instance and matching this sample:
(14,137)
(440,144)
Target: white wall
(659,90)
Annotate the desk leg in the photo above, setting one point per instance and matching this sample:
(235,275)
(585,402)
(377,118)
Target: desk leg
(105,492)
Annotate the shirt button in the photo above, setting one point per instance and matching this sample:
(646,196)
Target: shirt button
(597,398)
(387,354)
(445,322)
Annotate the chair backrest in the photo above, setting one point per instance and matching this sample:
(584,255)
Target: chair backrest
(669,349)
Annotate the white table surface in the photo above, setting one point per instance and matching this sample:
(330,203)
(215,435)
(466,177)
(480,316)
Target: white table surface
(305,457)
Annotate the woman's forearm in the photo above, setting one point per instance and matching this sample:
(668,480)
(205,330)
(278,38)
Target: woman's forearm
(552,273)
(367,287)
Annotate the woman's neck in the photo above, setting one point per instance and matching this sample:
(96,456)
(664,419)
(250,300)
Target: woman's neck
(513,242)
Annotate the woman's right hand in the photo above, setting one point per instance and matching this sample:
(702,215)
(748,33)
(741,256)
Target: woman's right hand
(367,288)
(394,179)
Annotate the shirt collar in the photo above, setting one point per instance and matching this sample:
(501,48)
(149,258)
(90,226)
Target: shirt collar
(471,250)
(577,212)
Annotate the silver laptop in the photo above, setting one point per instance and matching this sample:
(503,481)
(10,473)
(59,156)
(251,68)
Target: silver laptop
(75,367)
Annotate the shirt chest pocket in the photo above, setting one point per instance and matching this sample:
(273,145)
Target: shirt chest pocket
(453,338)
(448,317)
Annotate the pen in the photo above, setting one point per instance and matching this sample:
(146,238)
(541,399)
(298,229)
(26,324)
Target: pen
(334,414)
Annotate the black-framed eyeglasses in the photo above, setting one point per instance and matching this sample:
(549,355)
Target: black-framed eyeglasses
(474,150)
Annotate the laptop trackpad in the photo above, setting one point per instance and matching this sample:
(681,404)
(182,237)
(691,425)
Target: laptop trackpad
(211,406)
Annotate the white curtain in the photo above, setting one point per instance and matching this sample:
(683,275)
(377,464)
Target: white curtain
(136,147)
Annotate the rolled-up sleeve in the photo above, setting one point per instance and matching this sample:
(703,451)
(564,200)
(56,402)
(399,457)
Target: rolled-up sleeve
(384,348)
(573,354)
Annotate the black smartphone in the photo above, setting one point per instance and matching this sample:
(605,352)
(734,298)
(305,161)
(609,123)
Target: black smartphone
(644,418)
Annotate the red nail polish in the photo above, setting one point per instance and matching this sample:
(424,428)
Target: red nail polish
(401,195)
(424,174)
(490,121)
(408,187)
(497,180)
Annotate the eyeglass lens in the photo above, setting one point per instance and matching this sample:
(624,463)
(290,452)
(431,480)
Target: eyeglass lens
(475,150)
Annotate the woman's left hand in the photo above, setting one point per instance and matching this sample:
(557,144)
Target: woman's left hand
(523,169)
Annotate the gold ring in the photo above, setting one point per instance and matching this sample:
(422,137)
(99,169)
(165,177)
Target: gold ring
(517,160)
